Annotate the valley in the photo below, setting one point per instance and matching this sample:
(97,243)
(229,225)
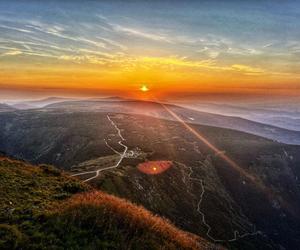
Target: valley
(200,192)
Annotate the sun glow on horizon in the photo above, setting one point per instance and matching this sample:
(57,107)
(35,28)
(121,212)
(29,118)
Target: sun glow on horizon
(123,49)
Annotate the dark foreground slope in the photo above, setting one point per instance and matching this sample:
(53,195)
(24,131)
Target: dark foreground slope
(41,208)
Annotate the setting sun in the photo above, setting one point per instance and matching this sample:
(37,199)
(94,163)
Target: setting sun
(144,88)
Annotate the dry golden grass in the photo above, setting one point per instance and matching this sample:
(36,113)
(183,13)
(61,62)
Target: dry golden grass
(133,219)
(86,220)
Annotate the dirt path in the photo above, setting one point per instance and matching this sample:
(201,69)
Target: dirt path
(122,155)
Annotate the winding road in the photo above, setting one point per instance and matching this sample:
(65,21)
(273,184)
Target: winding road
(236,234)
(122,155)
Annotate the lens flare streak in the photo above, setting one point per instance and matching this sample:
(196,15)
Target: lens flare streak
(269,193)
(210,145)
(154,167)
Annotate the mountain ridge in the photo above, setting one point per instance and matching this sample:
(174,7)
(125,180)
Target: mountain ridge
(155,109)
(6,108)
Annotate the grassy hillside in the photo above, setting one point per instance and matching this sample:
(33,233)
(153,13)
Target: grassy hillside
(198,182)
(41,208)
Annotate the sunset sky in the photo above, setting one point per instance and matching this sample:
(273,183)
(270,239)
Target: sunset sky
(171,46)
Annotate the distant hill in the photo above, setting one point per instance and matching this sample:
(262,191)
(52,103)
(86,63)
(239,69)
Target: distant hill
(109,98)
(32,104)
(155,109)
(42,208)
(284,117)
(6,108)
